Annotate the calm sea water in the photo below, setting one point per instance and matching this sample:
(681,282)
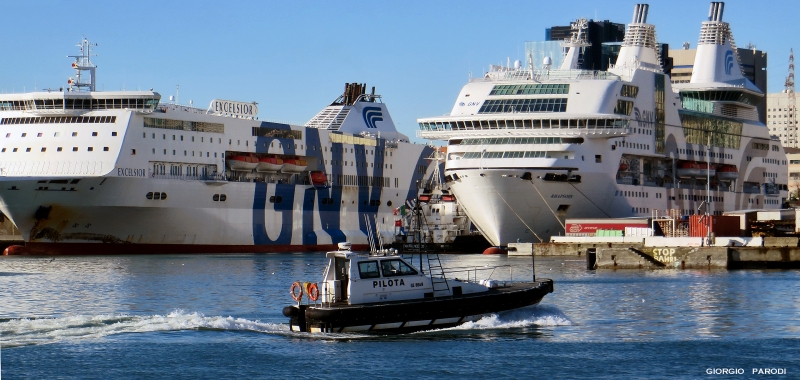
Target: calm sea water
(209,316)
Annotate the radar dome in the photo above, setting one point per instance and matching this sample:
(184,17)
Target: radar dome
(517,64)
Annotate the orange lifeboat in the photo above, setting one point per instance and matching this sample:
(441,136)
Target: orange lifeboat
(241,162)
(448,198)
(294,165)
(318,178)
(269,164)
(694,169)
(727,172)
(425,198)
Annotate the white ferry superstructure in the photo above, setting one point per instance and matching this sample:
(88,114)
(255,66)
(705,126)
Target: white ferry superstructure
(529,148)
(80,168)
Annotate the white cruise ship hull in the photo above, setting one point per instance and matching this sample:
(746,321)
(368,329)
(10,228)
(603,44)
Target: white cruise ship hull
(530,147)
(155,179)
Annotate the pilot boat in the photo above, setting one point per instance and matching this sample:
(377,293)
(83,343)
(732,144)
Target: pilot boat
(383,292)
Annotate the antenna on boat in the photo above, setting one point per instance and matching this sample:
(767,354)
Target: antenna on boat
(83,63)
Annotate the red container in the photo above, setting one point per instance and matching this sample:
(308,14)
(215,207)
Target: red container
(589,227)
(721,225)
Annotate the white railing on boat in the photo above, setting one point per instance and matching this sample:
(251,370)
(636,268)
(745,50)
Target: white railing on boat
(545,75)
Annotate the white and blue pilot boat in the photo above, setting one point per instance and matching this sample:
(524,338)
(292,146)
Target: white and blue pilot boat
(383,292)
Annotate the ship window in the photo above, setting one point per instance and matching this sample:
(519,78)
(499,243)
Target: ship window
(4,150)
(44,149)
(94,133)
(368,269)
(149,195)
(113,134)
(105,149)
(15,149)
(396,267)
(90,149)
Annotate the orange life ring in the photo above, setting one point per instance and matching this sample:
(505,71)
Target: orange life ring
(313,291)
(299,287)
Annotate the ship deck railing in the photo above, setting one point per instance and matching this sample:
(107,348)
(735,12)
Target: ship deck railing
(446,133)
(472,273)
(552,75)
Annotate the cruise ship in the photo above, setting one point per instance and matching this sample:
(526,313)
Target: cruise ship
(528,148)
(90,172)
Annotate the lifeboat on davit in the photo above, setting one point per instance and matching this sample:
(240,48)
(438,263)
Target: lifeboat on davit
(318,178)
(694,169)
(269,164)
(294,165)
(727,172)
(243,162)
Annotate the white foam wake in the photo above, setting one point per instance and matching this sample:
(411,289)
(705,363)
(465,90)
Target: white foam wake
(544,316)
(20,332)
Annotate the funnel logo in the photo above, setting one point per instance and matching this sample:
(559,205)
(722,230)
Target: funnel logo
(372,115)
(728,62)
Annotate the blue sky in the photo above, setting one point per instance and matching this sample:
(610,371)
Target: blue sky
(293,58)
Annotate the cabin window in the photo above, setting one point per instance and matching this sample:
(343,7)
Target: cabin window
(396,267)
(368,269)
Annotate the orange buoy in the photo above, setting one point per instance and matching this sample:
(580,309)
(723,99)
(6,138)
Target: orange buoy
(15,250)
(298,294)
(313,291)
(493,251)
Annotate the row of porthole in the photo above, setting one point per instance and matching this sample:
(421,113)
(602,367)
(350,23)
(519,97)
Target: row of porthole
(59,149)
(219,197)
(156,196)
(329,201)
(58,134)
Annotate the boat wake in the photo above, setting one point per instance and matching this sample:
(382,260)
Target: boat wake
(540,315)
(23,332)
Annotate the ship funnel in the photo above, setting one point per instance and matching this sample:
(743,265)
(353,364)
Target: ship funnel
(639,48)
(640,14)
(715,11)
(717,58)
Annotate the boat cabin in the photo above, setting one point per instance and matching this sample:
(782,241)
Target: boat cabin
(362,278)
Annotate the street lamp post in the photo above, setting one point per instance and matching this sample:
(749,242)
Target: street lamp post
(708,190)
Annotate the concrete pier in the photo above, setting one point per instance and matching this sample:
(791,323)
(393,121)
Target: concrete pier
(675,253)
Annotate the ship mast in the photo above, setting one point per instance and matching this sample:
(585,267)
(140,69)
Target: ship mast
(791,141)
(83,63)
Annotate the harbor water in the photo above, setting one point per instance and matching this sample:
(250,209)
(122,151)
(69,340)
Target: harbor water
(219,316)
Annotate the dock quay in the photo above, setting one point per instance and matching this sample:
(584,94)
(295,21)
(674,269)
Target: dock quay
(657,252)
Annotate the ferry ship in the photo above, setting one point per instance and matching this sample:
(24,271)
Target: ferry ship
(529,148)
(90,172)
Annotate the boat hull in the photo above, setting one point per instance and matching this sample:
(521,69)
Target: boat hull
(416,315)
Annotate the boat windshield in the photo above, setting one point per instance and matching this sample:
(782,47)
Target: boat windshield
(396,267)
(368,269)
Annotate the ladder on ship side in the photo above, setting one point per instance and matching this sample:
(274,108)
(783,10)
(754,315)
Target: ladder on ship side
(436,272)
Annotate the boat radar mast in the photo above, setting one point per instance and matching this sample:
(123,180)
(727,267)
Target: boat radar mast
(81,64)
(573,45)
